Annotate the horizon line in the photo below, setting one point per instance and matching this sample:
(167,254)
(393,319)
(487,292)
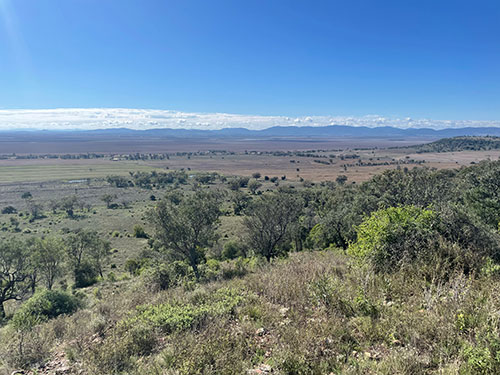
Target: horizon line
(146,119)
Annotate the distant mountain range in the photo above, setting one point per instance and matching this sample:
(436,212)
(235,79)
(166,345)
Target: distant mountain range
(276,131)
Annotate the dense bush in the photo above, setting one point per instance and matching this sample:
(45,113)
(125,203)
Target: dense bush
(85,275)
(159,277)
(139,232)
(233,250)
(394,235)
(46,305)
(9,210)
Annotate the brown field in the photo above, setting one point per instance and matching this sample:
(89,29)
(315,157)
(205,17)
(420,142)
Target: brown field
(39,170)
(58,144)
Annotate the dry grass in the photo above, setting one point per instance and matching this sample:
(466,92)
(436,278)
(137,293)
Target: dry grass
(313,313)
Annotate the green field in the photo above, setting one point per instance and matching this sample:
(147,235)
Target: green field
(38,172)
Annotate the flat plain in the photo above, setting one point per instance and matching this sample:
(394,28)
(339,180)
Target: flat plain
(319,165)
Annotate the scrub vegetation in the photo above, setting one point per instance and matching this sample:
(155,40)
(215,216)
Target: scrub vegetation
(170,272)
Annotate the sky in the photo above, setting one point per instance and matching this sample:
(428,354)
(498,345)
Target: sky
(404,63)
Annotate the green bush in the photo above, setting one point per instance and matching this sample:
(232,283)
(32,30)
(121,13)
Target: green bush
(175,316)
(45,305)
(395,235)
(9,210)
(85,275)
(134,266)
(233,250)
(158,277)
(210,270)
(139,232)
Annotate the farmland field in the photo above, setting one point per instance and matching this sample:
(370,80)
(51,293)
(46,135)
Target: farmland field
(294,167)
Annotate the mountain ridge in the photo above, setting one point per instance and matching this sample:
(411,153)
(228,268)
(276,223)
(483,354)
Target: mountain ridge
(278,131)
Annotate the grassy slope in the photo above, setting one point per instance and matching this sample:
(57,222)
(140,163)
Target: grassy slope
(314,313)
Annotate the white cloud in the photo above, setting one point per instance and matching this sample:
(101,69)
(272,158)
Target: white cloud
(105,118)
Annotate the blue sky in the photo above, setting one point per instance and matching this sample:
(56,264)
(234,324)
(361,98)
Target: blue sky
(422,59)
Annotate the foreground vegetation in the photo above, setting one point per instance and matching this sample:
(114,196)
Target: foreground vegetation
(395,275)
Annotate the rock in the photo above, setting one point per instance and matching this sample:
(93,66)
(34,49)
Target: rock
(284,310)
(261,331)
(263,369)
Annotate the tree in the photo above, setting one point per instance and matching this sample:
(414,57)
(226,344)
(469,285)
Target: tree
(15,223)
(254,185)
(68,204)
(14,272)
(86,253)
(139,232)
(256,175)
(98,253)
(35,209)
(26,195)
(240,202)
(341,179)
(186,228)
(269,221)
(48,258)
(483,193)
(108,198)
(9,210)
(54,205)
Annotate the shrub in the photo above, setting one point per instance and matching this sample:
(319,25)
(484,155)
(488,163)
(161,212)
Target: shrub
(133,266)
(9,210)
(158,278)
(85,275)
(139,232)
(46,305)
(175,316)
(233,250)
(395,235)
(210,270)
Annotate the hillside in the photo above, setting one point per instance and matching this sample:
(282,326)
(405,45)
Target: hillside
(468,143)
(214,274)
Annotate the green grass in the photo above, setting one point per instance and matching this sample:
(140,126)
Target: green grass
(63,171)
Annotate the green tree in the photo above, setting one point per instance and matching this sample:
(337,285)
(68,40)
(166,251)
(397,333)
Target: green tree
(483,192)
(26,195)
(48,258)
(108,199)
(240,202)
(253,186)
(86,253)
(15,270)
(269,221)
(35,209)
(341,179)
(186,228)
(68,204)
